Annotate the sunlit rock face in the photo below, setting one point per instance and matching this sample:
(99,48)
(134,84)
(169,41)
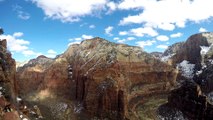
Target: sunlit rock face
(103,79)
(31,75)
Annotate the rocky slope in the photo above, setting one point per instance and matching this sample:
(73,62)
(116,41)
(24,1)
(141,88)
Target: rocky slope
(102,79)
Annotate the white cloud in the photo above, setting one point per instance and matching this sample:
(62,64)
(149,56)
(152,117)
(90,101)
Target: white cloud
(86,37)
(17,45)
(51,53)
(139,32)
(112,7)
(70,10)
(166,26)
(131,38)
(123,33)
(21,13)
(162,38)
(202,29)
(18,34)
(108,30)
(78,40)
(30,53)
(176,35)
(142,44)
(116,38)
(75,42)
(92,26)
(122,41)
(162,46)
(166,14)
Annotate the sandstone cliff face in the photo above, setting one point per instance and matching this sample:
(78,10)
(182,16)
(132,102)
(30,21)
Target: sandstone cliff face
(104,79)
(8,91)
(110,79)
(31,75)
(7,72)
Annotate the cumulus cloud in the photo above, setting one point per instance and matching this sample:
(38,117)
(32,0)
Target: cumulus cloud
(86,37)
(21,13)
(78,40)
(142,44)
(70,10)
(123,33)
(131,38)
(92,26)
(140,32)
(124,39)
(108,30)
(202,29)
(166,14)
(162,38)
(51,53)
(121,41)
(162,46)
(116,38)
(112,7)
(18,34)
(176,35)
(17,45)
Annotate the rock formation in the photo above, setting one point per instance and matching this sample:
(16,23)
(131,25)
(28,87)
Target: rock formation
(193,58)
(191,101)
(104,79)
(31,75)
(8,90)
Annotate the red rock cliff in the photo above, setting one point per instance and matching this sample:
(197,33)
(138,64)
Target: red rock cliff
(105,79)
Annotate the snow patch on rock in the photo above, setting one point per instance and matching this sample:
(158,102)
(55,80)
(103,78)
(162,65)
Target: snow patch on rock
(166,58)
(204,50)
(187,69)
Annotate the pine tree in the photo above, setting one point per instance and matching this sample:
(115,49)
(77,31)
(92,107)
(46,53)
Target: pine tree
(1,31)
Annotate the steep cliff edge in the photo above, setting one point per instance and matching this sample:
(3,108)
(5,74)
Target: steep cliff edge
(194,59)
(31,75)
(8,90)
(105,79)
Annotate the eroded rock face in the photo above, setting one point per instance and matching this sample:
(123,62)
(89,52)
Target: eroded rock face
(31,75)
(8,90)
(111,79)
(106,80)
(191,101)
(7,72)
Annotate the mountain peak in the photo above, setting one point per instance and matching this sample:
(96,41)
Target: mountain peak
(41,56)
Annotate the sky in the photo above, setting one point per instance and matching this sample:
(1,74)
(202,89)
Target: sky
(48,27)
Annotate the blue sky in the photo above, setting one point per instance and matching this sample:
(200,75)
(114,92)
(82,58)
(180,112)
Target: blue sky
(48,27)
